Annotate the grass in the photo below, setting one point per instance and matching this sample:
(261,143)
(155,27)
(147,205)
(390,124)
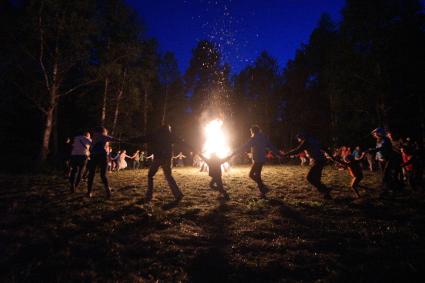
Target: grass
(50,235)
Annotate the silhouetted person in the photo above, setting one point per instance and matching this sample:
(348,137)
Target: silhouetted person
(79,156)
(214,171)
(258,144)
(354,167)
(99,159)
(161,144)
(387,160)
(317,159)
(412,163)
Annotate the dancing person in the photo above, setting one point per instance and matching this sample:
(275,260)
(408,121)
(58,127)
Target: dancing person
(114,160)
(180,158)
(197,161)
(317,159)
(121,162)
(412,165)
(387,160)
(161,144)
(214,171)
(79,156)
(398,174)
(355,170)
(370,161)
(303,158)
(99,158)
(136,159)
(258,143)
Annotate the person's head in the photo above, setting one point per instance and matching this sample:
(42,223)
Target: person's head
(137,151)
(255,129)
(391,136)
(214,156)
(301,136)
(124,151)
(357,148)
(68,140)
(87,134)
(378,133)
(101,130)
(405,149)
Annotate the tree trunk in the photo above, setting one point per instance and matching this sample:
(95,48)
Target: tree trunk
(116,113)
(55,132)
(105,95)
(145,111)
(164,112)
(119,96)
(47,132)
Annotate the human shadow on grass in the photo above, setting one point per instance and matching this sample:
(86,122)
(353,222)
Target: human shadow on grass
(212,263)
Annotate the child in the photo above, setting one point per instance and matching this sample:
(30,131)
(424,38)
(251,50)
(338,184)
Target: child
(354,168)
(121,163)
(411,165)
(214,171)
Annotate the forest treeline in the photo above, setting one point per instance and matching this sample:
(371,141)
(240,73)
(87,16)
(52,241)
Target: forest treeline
(70,65)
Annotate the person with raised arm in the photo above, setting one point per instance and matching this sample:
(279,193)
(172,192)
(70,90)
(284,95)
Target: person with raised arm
(258,143)
(79,156)
(214,171)
(317,160)
(161,145)
(99,159)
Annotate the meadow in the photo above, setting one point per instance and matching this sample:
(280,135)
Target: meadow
(48,234)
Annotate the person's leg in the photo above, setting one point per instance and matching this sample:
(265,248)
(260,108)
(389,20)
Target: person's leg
(314,177)
(82,162)
(153,168)
(92,171)
(73,174)
(212,184)
(103,164)
(166,168)
(355,184)
(220,188)
(255,174)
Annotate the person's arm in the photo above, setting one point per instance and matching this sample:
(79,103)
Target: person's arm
(341,162)
(362,156)
(301,147)
(408,162)
(328,153)
(244,147)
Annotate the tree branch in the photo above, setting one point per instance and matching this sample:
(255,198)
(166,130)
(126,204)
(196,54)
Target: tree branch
(31,99)
(77,87)
(41,57)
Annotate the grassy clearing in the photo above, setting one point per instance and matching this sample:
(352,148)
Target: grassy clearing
(48,234)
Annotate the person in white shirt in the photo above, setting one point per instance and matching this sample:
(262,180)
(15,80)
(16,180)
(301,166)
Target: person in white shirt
(79,156)
(122,164)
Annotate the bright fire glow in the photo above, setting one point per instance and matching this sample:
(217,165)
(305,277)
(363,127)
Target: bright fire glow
(215,140)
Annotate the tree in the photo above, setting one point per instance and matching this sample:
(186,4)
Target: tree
(207,79)
(55,37)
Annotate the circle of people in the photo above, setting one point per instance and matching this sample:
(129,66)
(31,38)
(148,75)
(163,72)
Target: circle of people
(399,161)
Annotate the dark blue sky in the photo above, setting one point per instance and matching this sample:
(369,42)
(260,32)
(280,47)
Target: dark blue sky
(242,28)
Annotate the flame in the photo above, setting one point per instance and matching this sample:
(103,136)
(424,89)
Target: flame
(215,140)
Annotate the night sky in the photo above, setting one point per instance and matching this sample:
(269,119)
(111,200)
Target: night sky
(242,28)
